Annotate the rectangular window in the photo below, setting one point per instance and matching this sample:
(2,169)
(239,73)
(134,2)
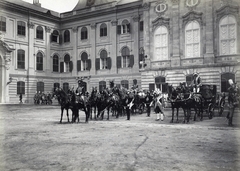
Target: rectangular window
(39,63)
(21,60)
(84,35)
(66,67)
(104,63)
(21,28)
(103,32)
(40,87)
(55,65)
(2,24)
(20,87)
(126,61)
(84,65)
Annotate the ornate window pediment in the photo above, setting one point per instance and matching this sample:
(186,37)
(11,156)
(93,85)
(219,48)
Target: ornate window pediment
(159,22)
(192,15)
(226,10)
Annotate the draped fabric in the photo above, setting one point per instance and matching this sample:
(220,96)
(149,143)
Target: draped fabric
(228,35)
(192,39)
(161,43)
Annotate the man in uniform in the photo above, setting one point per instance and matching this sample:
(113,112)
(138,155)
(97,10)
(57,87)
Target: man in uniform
(129,102)
(196,83)
(148,100)
(158,105)
(233,100)
(80,90)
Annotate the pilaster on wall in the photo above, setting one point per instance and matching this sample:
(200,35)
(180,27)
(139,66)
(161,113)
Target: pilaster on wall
(146,33)
(75,51)
(114,46)
(48,52)
(175,58)
(30,49)
(136,20)
(93,48)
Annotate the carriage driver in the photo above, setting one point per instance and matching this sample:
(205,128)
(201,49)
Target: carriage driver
(80,90)
(196,83)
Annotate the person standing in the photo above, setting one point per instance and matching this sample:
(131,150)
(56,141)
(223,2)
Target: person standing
(20,98)
(148,101)
(129,102)
(196,83)
(158,107)
(233,100)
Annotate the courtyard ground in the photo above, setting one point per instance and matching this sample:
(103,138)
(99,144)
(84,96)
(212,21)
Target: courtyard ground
(31,138)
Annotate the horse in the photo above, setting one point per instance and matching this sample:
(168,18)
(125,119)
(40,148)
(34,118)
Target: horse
(93,99)
(64,101)
(175,99)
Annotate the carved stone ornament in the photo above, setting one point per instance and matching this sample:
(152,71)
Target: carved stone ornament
(146,6)
(136,18)
(93,25)
(31,25)
(161,8)
(159,22)
(192,15)
(114,22)
(7,59)
(48,29)
(75,29)
(226,10)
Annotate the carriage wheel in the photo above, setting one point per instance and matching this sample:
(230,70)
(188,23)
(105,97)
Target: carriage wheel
(210,111)
(221,107)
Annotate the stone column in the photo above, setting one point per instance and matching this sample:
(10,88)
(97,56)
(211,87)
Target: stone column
(48,63)
(136,42)
(113,53)
(93,48)
(5,74)
(146,33)
(75,50)
(175,58)
(208,51)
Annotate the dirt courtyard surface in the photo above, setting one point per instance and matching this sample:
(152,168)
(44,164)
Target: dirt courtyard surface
(31,138)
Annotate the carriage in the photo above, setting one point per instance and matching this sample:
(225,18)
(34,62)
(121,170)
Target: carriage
(211,100)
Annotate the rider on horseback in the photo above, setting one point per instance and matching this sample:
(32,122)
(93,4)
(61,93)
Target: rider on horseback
(80,90)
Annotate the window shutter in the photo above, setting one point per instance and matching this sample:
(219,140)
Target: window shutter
(51,38)
(78,65)
(119,29)
(89,64)
(109,63)
(61,67)
(151,87)
(97,64)
(60,39)
(70,66)
(131,63)
(128,28)
(119,62)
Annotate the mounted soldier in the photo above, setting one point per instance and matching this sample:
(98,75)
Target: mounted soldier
(80,90)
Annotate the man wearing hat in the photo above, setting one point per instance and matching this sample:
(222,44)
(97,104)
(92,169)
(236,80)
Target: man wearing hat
(80,90)
(233,100)
(158,107)
(196,83)
(148,100)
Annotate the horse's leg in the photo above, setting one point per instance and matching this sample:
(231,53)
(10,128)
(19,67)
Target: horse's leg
(172,113)
(108,110)
(61,114)
(67,115)
(177,113)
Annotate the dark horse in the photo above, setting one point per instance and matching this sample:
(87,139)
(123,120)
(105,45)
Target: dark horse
(65,102)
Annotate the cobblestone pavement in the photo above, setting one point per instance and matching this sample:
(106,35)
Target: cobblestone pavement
(31,138)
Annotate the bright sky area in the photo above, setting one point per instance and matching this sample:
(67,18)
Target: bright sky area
(57,5)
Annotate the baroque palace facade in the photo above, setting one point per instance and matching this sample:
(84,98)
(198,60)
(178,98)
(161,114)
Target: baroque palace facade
(149,43)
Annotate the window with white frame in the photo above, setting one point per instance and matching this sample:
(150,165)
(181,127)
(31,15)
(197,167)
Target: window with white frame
(228,35)
(55,63)
(21,28)
(39,61)
(125,57)
(161,43)
(103,30)
(192,39)
(2,23)
(39,32)
(103,57)
(84,63)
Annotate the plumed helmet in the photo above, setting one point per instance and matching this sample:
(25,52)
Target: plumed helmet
(230,81)
(195,73)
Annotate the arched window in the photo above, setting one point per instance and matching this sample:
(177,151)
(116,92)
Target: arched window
(224,81)
(103,30)
(161,84)
(55,63)
(39,32)
(39,61)
(125,57)
(84,59)
(125,26)
(21,28)
(66,63)
(84,33)
(102,85)
(2,23)
(40,87)
(20,87)
(65,87)
(228,35)
(56,85)
(161,43)
(55,36)
(192,39)
(21,59)
(103,57)
(66,36)
(125,84)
